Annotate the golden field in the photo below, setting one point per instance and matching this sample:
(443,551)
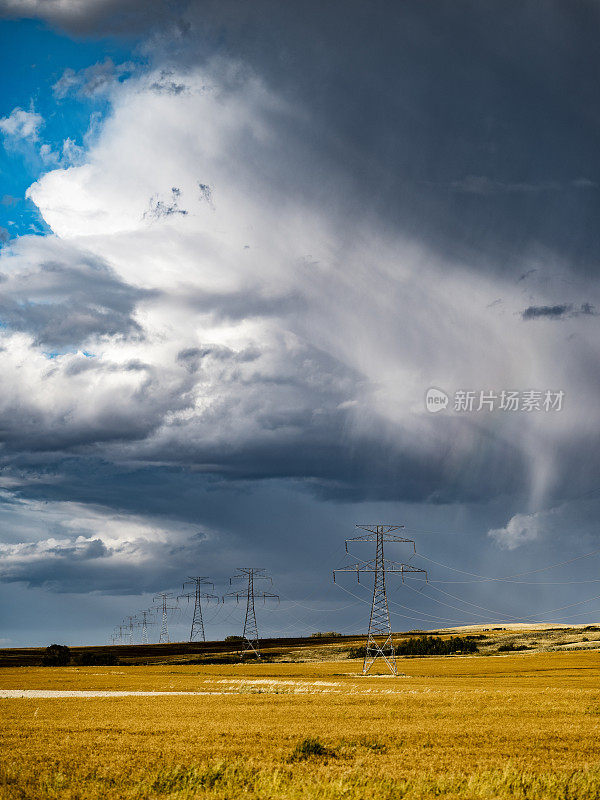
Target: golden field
(518,725)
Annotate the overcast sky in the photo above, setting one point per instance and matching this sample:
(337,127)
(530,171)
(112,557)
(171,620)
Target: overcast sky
(238,245)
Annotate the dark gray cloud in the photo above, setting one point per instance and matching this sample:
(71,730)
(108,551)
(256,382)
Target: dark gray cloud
(63,303)
(481,185)
(559,311)
(192,357)
(448,91)
(554,312)
(92,17)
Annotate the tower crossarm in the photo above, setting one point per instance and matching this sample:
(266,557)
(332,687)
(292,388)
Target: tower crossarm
(204,595)
(387,537)
(257,595)
(164,596)
(243,573)
(405,569)
(376,527)
(367,566)
(267,596)
(200,580)
(363,566)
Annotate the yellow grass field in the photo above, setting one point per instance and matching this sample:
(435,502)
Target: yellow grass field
(518,726)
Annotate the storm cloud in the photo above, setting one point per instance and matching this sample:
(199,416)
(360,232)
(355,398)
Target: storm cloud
(64,297)
(292,222)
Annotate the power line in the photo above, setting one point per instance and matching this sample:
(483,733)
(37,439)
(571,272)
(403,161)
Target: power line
(507,578)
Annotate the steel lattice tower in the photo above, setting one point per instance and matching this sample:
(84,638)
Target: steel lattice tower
(379,638)
(144,623)
(197,629)
(130,628)
(164,597)
(250,634)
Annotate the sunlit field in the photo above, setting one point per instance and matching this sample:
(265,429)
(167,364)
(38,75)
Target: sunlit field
(518,725)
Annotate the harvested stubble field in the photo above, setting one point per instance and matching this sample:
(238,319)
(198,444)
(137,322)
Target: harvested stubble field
(518,725)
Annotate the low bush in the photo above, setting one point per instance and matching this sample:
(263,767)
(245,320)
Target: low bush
(56,655)
(511,647)
(426,646)
(436,646)
(310,748)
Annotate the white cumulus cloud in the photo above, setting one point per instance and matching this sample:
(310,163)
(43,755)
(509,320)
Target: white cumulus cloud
(519,530)
(21,124)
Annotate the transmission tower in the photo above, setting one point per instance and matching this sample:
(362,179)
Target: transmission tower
(379,623)
(130,626)
(250,635)
(144,623)
(164,597)
(197,629)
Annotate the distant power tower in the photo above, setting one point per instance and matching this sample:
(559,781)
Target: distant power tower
(250,635)
(197,629)
(130,627)
(379,623)
(164,597)
(143,624)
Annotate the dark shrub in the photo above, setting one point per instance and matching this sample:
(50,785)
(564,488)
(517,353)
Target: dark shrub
(310,748)
(56,655)
(436,646)
(234,638)
(511,647)
(426,646)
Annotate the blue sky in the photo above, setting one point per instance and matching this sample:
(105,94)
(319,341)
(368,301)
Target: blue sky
(35,57)
(254,238)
